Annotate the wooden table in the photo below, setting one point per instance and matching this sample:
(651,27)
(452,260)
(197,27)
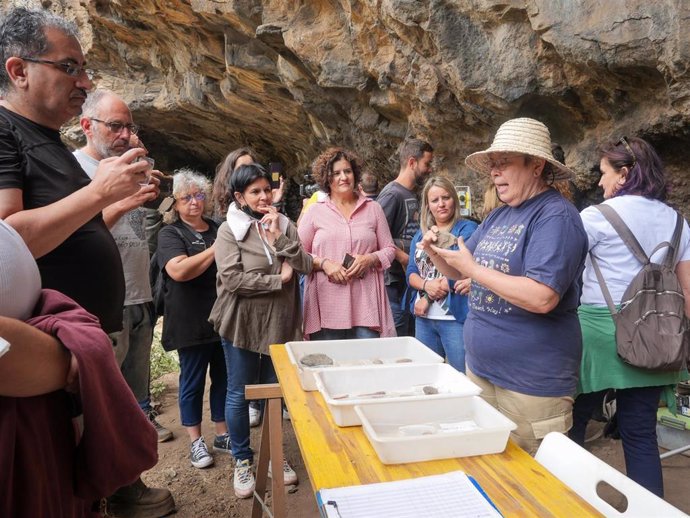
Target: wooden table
(336,457)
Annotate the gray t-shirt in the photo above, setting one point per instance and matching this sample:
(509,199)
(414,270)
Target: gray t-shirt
(130,236)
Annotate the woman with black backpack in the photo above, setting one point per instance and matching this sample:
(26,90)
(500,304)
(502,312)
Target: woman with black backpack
(635,189)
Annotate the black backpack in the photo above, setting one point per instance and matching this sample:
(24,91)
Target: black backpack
(158,279)
(652,331)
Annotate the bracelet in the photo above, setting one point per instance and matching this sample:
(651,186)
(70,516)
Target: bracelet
(424,285)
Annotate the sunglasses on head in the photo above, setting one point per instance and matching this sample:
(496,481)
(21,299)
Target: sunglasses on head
(624,141)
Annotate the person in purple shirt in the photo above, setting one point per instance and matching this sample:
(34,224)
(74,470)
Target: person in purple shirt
(522,337)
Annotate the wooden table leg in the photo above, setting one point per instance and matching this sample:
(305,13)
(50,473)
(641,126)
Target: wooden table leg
(275,411)
(262,468)
(271,448)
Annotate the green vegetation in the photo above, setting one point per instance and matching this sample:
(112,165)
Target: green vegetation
(162,362)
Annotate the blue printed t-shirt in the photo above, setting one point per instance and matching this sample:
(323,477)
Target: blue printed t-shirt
(525,352)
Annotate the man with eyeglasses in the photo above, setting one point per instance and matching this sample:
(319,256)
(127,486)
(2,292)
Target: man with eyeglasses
(46,196)
(107,123)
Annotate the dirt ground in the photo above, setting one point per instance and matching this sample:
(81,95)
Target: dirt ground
(208,493)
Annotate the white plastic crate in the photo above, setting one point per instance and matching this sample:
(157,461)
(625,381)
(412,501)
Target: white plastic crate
(342,389)
(349,353)
(417,431)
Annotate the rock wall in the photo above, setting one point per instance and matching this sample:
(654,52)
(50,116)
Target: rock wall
(290,77)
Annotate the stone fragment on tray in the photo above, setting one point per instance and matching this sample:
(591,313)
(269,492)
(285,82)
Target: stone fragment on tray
(316,360)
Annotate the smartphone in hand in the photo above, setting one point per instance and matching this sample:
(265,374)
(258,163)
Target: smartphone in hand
(348,260)
(276,173)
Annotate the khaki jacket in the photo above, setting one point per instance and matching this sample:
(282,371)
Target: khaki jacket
(254,309)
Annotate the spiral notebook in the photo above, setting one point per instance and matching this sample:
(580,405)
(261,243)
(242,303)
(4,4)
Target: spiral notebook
(452,495)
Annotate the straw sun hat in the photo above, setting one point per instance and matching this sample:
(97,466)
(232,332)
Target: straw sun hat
(523,135)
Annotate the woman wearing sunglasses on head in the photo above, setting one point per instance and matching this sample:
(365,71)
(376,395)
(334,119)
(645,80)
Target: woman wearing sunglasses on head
(185,256)
(635,187)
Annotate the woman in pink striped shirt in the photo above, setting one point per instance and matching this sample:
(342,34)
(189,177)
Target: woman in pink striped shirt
(343,301)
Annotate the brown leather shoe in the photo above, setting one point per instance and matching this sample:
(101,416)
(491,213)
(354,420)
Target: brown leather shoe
(139,501)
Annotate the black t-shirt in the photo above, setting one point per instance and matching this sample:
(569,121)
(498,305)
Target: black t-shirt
(187,304)
(87,265)
(401,207)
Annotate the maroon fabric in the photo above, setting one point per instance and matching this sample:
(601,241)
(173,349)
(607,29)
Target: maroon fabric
(41,469)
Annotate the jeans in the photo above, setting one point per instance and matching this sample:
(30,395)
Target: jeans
(636,413)
(404,321)
(444,337)
(132,347)
(244,368)
(344,334)
(194,361)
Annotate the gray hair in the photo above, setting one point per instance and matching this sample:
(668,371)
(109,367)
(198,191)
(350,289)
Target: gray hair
(90,107)
(186,180)
(22,34)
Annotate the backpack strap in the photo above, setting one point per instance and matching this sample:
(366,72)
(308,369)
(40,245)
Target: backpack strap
(602,284)
(625,233)
(672,254)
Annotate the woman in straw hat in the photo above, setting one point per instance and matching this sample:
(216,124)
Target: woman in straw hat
(522,335)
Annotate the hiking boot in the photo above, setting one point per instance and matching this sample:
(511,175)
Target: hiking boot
(222,443)
(201,458)
(243,481)
(289,475)
(163,433)
(254,415)
(139,501)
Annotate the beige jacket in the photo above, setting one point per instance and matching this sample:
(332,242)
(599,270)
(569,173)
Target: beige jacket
(254,309)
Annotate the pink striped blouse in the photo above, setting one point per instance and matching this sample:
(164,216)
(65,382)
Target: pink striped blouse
(362,302)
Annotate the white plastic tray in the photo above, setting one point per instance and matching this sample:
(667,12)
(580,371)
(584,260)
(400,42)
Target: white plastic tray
(342,389)
(464,426)
(349,353)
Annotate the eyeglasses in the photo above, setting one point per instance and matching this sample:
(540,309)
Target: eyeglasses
(500,164)
(71,69)
(199,196)
(117,127)
(624,141)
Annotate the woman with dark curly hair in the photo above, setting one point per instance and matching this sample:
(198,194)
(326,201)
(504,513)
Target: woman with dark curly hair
(347,233)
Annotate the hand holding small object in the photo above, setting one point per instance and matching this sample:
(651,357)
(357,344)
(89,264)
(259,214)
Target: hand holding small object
(460,259)
(430,237)
(361,265)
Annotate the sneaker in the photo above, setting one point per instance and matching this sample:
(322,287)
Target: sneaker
(163,433)
(139,501)
(254,416)
(244,482)
(222,443)
(201,458)
(289,475)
